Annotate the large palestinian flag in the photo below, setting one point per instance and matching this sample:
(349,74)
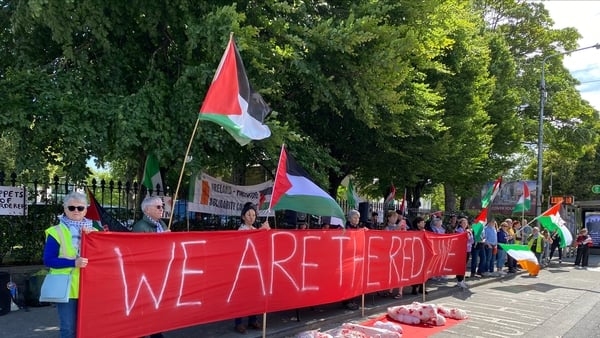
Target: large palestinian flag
(552,221)
(293,189)
(232,103)
(524,256)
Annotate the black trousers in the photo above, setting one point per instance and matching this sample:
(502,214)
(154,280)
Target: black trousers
(583,253)
(555,244)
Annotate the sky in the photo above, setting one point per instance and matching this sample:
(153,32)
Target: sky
(584,65)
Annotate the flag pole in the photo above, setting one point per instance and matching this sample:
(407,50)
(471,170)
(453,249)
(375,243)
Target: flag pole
(181,173)
(362,305)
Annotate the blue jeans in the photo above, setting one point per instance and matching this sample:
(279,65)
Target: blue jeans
(501,259)
(67,315)
(478,253)
(474,256)
(489,256)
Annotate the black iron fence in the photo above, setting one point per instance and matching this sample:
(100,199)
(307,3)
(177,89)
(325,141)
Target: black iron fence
(120,199)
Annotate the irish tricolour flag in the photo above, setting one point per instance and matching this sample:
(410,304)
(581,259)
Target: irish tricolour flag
(552,221)
(232,103)
(524,256)
(293,189)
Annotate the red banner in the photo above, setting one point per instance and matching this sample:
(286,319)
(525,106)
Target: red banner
(141,283)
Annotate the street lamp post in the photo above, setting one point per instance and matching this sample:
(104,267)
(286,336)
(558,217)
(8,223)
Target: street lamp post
(541,125)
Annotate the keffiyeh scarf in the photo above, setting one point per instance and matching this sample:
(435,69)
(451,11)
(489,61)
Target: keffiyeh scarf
(75,228)
(159,224)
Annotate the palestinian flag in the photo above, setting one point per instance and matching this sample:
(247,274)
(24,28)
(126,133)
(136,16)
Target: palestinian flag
(152,178)
(479,224)
(351,196)
(293,189)
(403,203)
(264,196)
(524,256)
(491,193)
(524,202)
(552,221)
(390,197)
(101,219)
(232,103)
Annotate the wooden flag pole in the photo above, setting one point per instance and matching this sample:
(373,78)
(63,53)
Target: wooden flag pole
(181,173)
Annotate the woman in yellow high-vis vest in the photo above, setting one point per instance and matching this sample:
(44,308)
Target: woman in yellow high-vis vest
(61,255)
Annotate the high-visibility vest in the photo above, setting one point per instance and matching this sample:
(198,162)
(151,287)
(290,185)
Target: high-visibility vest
(539,246)
(62,235)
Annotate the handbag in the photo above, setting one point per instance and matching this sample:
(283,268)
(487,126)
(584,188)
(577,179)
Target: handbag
(56,287)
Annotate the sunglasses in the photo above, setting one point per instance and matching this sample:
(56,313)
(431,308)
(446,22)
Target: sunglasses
(159,207)
(72,208)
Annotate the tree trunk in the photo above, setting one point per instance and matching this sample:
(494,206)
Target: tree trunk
(449,198)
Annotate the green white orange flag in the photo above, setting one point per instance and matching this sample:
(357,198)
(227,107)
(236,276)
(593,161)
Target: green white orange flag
(524,202)
(524,256)
(491,193)
(479,224)
(351,196)
(232,103)
(552,221)
(152,178)
(293,189)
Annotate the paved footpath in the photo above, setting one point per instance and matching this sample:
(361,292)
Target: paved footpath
(561,301)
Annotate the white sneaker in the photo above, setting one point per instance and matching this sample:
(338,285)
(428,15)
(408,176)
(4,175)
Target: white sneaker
(462,284)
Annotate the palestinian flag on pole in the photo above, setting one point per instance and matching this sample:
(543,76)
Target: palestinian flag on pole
(232,103)
(403,203)
(524,202)
(351,196)
(491,193)
(479,224)
(264,196)
(293,189)
(524,256)
(101,219)
(552,221)
(390,197)
(152,178)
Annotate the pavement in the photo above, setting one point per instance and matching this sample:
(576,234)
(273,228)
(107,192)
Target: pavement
(43,321)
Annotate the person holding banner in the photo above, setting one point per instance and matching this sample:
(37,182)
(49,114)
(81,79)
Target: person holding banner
(248,218)
(66,238)
(152,207)
(419,223)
